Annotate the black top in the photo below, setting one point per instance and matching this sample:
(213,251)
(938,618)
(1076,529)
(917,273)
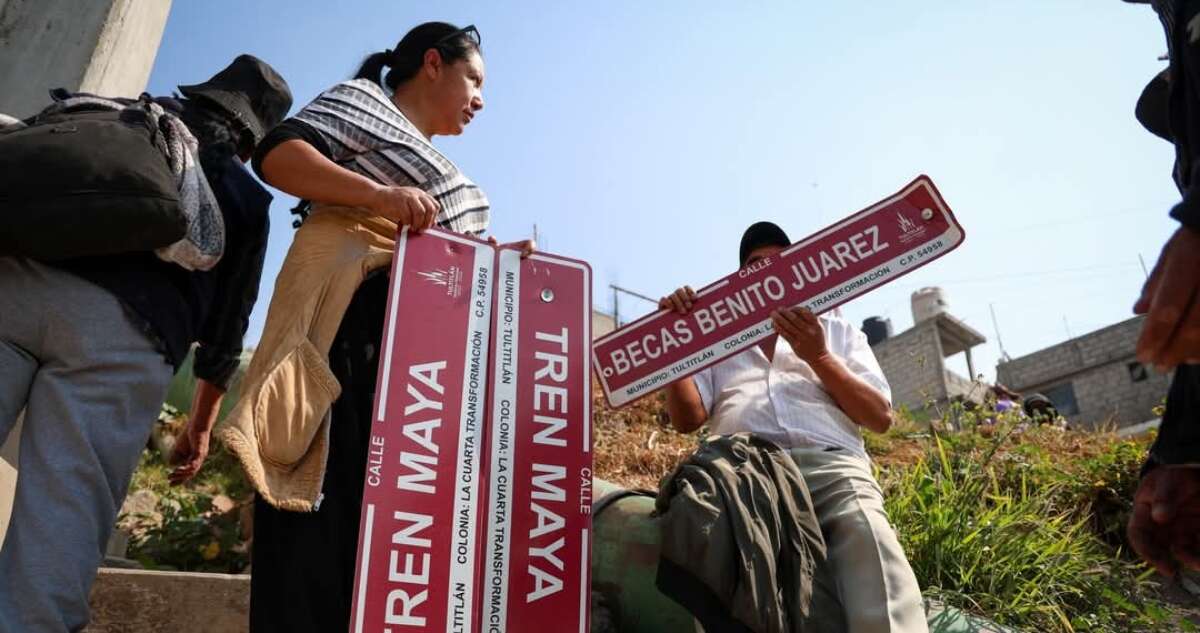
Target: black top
(1183,104)
(287,131)
(212,308)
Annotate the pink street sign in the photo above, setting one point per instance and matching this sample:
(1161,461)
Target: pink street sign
(537,525)
(865,251)
(417,545)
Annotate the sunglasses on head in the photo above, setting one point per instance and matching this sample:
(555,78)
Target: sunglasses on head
(469,31)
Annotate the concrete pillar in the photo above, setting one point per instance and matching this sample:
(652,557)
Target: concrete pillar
(970,365)
(106,47)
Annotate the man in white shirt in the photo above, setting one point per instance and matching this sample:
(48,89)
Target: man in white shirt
(809,391)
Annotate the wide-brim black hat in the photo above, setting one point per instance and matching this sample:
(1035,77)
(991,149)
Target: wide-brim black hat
(250,91)
(761,234)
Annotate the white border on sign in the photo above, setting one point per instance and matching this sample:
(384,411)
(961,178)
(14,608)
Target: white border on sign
(464,573)
(363,576)
(509,260)
(397,275)
(585,587)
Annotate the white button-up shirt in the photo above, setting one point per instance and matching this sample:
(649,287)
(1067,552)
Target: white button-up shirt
(783,400)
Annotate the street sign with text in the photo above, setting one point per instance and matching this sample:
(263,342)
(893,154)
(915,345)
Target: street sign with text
(417,546)
(535,569)
(476,508)
(863,252)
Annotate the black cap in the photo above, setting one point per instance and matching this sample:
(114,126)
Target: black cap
(758,235)
(250,91)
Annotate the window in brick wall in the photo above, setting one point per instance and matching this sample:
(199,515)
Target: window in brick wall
(1063,397)
(1137,371)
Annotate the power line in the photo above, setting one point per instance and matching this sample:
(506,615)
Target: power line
(1087,271)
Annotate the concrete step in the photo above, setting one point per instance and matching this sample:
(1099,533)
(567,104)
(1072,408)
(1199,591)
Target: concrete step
(140,601)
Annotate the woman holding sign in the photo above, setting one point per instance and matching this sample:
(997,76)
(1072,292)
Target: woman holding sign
(361,153)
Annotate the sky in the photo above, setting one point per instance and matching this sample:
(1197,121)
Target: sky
(644,137)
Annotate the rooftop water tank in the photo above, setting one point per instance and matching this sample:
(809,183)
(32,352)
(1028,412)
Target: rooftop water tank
(877,329)
(928,303)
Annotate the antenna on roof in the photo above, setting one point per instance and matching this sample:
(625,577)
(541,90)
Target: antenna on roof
(996,325)
(616,292)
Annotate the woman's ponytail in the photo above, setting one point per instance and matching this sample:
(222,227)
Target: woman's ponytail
(372,67)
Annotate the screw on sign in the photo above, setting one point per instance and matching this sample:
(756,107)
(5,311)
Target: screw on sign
(865,251)
(537,547)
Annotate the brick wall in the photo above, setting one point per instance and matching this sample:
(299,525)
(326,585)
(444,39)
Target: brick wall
(602,323)
(912,363)
(1096,366)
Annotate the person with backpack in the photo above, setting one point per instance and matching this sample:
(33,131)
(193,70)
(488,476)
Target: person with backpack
(362,152)
(91,336)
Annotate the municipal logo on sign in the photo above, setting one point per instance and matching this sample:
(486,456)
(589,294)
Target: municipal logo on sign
(909,229)
(449,278)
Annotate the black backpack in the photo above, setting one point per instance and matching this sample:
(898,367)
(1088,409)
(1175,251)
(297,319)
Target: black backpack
(86,183)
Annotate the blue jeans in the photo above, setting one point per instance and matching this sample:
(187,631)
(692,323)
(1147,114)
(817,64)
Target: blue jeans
(90,384)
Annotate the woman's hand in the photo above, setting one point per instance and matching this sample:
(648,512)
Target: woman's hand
(406,206)
(527,247)
(191,449)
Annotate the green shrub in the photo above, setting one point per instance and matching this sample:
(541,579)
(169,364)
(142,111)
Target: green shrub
(1014,526)
(185,532)
(190,537)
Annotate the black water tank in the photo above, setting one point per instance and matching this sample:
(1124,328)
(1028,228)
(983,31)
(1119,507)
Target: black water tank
(877,329)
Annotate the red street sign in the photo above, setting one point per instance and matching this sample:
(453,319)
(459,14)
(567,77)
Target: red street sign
(865,251)
(417,538)
(536,565)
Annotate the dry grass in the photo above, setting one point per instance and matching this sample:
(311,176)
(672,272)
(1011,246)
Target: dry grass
(635,446)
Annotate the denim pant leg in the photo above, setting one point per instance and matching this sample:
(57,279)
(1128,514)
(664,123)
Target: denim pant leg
(93,398)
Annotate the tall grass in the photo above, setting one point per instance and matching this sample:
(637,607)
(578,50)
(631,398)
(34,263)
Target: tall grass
(1021,527)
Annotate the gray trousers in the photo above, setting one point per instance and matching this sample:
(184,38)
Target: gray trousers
(876,584)
(91,385)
